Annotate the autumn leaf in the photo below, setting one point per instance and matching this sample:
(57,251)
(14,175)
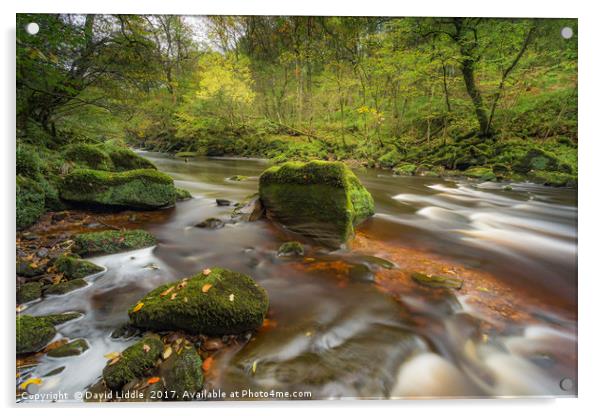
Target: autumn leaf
(26,383)
(146,348)
(173,296)
(207,364)
(206,272)
(254,368)
(112,355)
(231,297)
(182,284)
(114,360)
(153,380)
(206,287)
(167,291)
(138,307)
(167,352)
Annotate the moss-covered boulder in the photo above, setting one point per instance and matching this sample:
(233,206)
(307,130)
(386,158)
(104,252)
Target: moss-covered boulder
(215,302)
(87,156)
(124,159)
(35,332)
(405,169)
(75,347)
(182,373)
(322,200)
(133,362)
(291,248)
(480,173)
(536,159)
(65,287)
(28,268)
(75,268)
(30,202)
(29,291)
(137,189)
(111,241)
(556,179)
(182,194)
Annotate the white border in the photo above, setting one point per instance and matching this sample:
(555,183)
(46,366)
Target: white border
(590,157)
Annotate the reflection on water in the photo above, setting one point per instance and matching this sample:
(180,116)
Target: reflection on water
(335,333)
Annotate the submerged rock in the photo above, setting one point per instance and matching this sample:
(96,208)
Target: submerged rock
(35,332)
(222,202)
(65,287)
(182,194)
(182,373)
(211,223)
(133,362)
(75,347)
(291,248)
(437,281)
(249,210)
(137,189)
(74,268)
(112,241)
(215,302)
(321,200)
(29,291)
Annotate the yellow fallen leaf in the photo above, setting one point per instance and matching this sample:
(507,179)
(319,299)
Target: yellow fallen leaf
(145,348)
(173,296)
(26,383)
(206,287)
(254,366)
(167,352)
(167,291)
(114,360)
(112,355)
(231,297)
(182,284)
(206,272)
(138,307)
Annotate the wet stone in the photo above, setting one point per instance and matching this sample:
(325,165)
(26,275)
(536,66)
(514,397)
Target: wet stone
(222,202)
(211,223)
(437,281)
(72,348)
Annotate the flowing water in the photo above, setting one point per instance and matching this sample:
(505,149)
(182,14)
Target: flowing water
(341,334)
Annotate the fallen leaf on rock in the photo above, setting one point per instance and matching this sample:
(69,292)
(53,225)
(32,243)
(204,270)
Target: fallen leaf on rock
(167,352)
(138,307)
(114,360)
(206,287)
(206,272)
(207,363)
(254,366)
(231,297)
(145,348)
(112,355)
(167,291)
(154,380)
(173,296)
(26,383)
(182,285)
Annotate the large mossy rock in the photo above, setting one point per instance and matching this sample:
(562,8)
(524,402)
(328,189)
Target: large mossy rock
(88,156)
(125,159)
(218,303)
(35,332)
(30,202)
(137,189)
(111,241)
(321,200)
(74,268)
(133,362)
(29,291)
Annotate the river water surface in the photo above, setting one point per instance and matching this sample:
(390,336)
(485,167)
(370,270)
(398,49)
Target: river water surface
(342,326)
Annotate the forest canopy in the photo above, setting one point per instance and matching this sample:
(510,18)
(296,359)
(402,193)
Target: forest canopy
(383,91)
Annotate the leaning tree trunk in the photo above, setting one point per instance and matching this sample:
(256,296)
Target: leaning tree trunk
(475,95)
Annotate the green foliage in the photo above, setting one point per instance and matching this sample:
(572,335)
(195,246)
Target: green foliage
(109,242)
(28,161)
(30,202)
(87,156)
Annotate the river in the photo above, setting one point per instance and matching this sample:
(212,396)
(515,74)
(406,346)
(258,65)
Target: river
(344,327)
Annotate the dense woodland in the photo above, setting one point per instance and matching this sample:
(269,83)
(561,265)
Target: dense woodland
(489,98)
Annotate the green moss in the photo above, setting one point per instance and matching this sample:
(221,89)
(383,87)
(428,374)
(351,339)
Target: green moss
(291,248)
(74,268)
(234,303)
(134,362)
(536,159)
(405,169)
(322,200)
(112,241)
(65,287)
(124,159)
(30,202)
(139,189)
(556,179)
(390,159)
(437,281)
(61,318)
(87,156)
(483,174)
(29,291)
(182,373)
(75,347)
(27,160)
(33,333)
(182,194)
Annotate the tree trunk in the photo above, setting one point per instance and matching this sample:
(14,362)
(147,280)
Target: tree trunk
(467,66)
